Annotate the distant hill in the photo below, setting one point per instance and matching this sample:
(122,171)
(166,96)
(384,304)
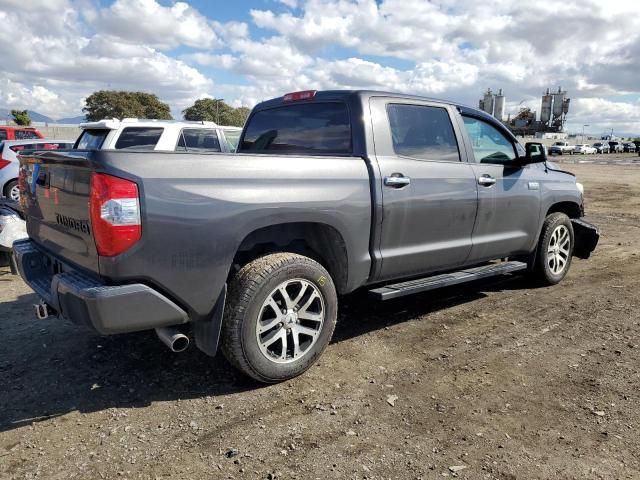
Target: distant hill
(5,114)
(74,120)
(38,117)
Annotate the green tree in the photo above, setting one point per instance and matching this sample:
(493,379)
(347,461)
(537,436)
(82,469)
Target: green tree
(122,104)
(215,110)
(239,116)
(21,117)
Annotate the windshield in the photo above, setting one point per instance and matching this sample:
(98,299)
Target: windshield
(92,139)
(321,128)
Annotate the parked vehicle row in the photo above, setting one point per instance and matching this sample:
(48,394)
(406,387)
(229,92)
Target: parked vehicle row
(329,192)
(620,147)
(561,148)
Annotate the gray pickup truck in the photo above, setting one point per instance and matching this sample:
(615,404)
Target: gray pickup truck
(330,192)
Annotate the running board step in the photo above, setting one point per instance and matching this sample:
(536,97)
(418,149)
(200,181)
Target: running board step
(446,279)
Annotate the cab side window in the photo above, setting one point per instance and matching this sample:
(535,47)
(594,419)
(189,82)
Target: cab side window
(422,132)
(201,140)
(233,138)
(488,143)
(139,138)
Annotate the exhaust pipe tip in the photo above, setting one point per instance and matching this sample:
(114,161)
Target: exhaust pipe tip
(42,311)
(172,338)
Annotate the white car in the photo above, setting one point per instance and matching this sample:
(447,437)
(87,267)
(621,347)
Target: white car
(164,135)
(585,149)
(9,164)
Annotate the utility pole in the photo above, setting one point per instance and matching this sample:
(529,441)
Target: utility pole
(218,100)
(583,132)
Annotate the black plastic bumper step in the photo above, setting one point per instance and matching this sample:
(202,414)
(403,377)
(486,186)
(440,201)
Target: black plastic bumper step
(446,279)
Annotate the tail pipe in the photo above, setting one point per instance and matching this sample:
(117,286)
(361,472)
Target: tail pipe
(172,338)
(43,311)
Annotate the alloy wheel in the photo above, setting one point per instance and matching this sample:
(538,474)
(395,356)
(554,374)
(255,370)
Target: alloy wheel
(290,321)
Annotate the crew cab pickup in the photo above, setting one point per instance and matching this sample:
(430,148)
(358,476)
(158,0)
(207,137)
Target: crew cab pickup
(560,148)
(330,192)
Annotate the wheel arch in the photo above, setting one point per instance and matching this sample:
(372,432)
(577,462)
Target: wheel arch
(569,208)
(320,241)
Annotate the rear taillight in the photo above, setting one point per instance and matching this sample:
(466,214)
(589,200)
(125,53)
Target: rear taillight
(4,163)
(296,96)
(115,214)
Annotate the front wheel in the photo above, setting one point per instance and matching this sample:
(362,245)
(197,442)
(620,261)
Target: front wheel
(555,249)
(280,316)
(12,191)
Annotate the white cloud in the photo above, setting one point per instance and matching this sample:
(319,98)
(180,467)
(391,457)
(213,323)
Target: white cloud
(38,98)
(63,59)
(601,115)
(149,23)
(34,5)
(289,3)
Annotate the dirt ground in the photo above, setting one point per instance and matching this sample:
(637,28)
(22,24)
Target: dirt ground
(495,380)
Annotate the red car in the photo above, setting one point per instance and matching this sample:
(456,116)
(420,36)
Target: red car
(18,133)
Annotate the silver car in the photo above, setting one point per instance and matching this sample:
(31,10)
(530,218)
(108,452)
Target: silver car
(9,164)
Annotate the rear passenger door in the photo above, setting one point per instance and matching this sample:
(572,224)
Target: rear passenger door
(202,140)
(429,192)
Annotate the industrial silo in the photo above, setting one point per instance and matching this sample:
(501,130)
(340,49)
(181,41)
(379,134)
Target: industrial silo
(545,110)
(558,103)
(498,111)
(488,102)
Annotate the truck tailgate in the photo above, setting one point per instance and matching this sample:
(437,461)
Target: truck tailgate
(56,204)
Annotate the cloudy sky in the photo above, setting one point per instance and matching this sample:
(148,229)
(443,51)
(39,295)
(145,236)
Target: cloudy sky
(56,52)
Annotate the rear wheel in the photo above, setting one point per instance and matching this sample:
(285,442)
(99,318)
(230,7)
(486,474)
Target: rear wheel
(280,316)
(555,249)
(12,191)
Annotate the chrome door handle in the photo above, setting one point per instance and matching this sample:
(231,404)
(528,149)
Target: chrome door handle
(397,181)
(486,180)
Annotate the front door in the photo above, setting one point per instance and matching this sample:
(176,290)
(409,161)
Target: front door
(508,194)
(429,194)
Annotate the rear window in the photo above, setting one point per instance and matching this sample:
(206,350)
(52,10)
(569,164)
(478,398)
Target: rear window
(233,138)
(91,139)
(3,134)
(25,134)
(198,140)
(139,138)
(320,128)
(422,132)
(41,146)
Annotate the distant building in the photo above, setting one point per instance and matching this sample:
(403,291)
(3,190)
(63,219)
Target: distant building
(553,113)
(552,135)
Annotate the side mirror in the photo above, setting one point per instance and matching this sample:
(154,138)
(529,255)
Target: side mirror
(535,153)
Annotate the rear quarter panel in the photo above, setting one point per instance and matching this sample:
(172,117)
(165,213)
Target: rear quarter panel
(197,209)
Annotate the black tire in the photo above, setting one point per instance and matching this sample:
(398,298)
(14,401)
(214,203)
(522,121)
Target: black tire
(8,187)
(248,290)
(542,268)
